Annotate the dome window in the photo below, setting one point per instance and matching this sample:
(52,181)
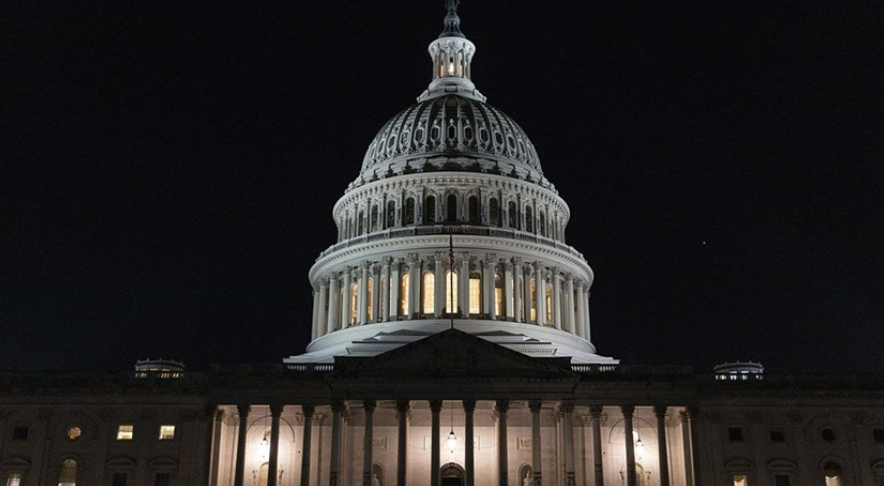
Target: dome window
(474,210)
(409,211)
(430,210)
(498,138)
(494,210)
(374,218)
(451,209)
(513,216)
(468,131)
(391,214)
(542,224)
(483,134)
(360,224)
(529,220)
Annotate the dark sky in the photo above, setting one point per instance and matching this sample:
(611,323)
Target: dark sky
(170,169)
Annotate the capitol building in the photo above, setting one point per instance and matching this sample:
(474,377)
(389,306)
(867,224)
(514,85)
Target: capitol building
(451,345)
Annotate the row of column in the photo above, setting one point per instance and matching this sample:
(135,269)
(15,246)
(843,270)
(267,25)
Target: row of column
(469,407)
(397,291)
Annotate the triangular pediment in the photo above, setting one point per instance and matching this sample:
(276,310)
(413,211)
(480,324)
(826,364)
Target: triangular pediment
(453,354)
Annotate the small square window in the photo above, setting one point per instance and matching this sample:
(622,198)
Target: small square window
(735,434)
(878,435)
(20,432)
(120,479)
(162,479)
(167,432)
(782,480)
(777,435)
(125,432)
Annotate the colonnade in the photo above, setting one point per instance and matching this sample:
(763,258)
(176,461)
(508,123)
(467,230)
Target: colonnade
(502,407)
(421,287)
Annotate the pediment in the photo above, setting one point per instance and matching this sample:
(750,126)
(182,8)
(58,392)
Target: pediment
(453,354)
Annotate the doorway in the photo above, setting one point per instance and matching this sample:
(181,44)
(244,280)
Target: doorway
(452,475)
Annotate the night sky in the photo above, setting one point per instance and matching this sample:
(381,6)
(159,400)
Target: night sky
(171,167)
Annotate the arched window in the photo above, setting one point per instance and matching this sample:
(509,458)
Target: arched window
(513,216)
(263,473)
(403,295)
(498,296)
(391,214)
(494,212)
(374,218)
(529,220)
(360,224)
(832,471)
(542,224)
(68,474)
(13,480)
(354,303)
(428,293)
(474,210)
(450,292)
(475,294)
(430,210)
(452,208)
(409,211)
(369,315)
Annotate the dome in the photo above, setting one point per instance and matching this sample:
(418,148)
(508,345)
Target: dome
(459,128)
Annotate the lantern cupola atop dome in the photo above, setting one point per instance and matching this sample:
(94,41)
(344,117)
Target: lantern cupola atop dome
(452,54)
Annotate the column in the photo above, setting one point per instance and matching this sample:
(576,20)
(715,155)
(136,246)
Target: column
(239,474)
(693,417)
(507,290)
(385,290)
(395,284)
(464,286)
(435,464)
(528,270)
(368,442)
(402,407)
(323,307)
(375,276)
(585,301)
(660,412)
(503,405)
(627,411)
(314,331)
(517,296)
(362,315)
(540,285)
(273,462)
(536,463)
(581,311)
(595,412)
(439,288)
(306,443)
(569,304)
(215,418)
(337,407)
(557,304)
(414,285)
(346,305)
(333,303)
(568,411)
(469,406)
(488,284)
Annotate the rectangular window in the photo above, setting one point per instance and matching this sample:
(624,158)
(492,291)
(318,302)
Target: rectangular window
(475,296)
(13,480)
(125,432)
(120,479)
(735,434)
(777,435)
(167,432)
(740,480)
(20,432)
(781,480)
(162,479)
(878,435)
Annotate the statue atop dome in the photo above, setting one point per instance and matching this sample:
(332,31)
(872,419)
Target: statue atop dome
(452,21)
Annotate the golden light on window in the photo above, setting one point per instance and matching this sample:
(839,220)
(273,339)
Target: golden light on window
(167,432)
(125,432)
(429,294)
(74,433)
(475,296)
(451,302)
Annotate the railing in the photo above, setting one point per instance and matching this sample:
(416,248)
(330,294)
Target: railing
(633,369)
(451,229)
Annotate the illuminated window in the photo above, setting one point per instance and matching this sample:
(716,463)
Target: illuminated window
(167,432)
(833,474)
(429,293)
(263,473)
(125,432)
(533,300)
(13,480)
(740,480)
(498,295)
(475,294)
(450,292)
(403,295)
(549,302)
(370,291)
(74,433)
(68,474)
